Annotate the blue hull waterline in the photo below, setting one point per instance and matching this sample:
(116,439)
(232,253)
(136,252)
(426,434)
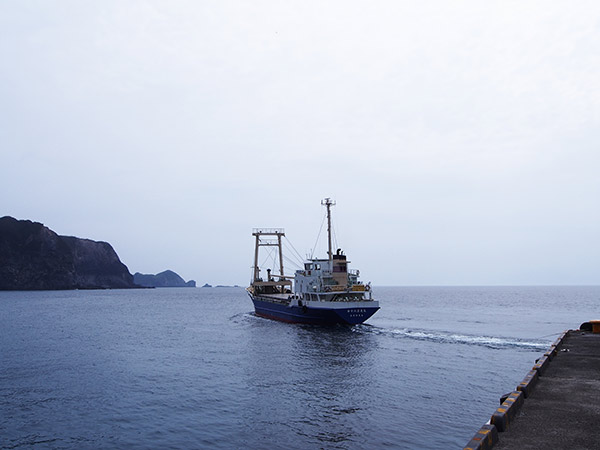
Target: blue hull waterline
(313,316)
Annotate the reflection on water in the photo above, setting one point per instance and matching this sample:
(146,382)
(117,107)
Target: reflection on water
(316,379)
(334,392)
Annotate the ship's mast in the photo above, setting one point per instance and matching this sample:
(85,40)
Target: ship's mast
(328,204)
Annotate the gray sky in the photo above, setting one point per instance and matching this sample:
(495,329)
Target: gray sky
(459,139)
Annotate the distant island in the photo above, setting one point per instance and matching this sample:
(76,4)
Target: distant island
(168,278)
(33,257)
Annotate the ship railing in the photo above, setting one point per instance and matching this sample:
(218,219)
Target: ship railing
(282,276)
(268,231)
(354,272)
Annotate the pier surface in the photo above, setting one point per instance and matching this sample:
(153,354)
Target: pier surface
(563,410)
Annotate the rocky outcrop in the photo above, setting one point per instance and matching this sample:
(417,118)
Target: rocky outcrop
(33,257)
(168,278)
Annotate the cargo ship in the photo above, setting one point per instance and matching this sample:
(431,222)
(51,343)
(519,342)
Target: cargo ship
(324,292)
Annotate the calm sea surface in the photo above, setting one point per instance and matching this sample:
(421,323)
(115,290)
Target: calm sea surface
(194,368)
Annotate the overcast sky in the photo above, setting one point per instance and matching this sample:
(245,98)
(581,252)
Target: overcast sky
(461,140)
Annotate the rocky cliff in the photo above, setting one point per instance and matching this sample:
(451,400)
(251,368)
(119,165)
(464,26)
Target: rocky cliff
(168,278)
(33,257)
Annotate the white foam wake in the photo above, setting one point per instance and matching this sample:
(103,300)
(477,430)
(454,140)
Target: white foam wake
(445,337)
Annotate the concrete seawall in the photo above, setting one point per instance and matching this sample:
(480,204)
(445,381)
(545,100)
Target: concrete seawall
(556,406)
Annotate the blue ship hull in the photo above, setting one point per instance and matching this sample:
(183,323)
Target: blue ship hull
(315,316)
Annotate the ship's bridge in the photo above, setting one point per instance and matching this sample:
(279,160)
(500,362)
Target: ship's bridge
(327,275)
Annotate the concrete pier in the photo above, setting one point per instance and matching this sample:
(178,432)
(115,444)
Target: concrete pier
(557,406)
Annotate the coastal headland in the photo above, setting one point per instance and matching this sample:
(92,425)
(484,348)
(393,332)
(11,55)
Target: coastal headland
(33,257)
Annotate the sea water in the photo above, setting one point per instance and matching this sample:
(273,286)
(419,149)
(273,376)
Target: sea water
(195,368)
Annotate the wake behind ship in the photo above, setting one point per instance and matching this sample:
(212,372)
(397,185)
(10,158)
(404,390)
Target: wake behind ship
(324,292)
